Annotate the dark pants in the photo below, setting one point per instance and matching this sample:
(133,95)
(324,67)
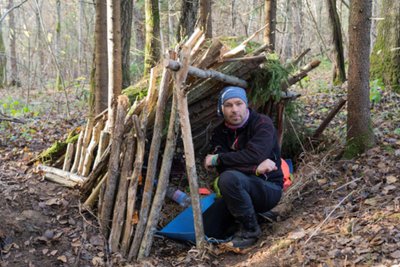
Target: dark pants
(242,195)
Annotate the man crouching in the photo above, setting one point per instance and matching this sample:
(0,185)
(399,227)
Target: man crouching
(246,154)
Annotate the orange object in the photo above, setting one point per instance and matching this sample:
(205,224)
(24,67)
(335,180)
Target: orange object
(204,191)
(286,174)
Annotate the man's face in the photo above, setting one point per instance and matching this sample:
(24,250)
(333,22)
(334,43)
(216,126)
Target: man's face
(234,111)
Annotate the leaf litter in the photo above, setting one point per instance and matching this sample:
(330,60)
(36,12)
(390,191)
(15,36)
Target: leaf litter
(42,224)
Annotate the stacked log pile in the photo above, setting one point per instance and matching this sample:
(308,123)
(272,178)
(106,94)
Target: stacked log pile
(108,166)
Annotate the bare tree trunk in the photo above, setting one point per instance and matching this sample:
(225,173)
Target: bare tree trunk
(101,61)
(205,17)
(270,20)
(360,136)
(126,33)
(339,72)
(80,41)
(153,45)
(3,58)
(385,59)
(187,19)
(139,33)
(13,54)
(57,43)
(114,59)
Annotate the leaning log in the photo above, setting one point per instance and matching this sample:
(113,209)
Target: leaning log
(182,105)
(152,161)
(121,200)
(113,165)
(68,157)
(328,118)
(173,130)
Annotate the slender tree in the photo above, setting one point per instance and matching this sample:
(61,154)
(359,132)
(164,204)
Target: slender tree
(13,50)
(205,17)
(100,58)
(359,129)
(187,19)
(139,33)
(270,20)
(339,72)
(126,33)
(114,59)
(57,47)
(385,59)
(152,51)
(3,58)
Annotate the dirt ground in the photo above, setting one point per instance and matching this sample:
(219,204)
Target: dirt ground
(346,213)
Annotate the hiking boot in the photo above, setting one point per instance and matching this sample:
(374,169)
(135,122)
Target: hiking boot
(248,233)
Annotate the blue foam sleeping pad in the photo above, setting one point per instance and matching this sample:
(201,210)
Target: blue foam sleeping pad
(182,227)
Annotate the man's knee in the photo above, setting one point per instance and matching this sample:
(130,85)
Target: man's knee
(228,180)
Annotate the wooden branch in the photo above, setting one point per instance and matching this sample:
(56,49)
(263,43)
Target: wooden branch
(328,118)
(175,66)
(245,59)
(89,157)
(162,184)
(103,144)
(88,204)
(152,161)
(97,171)
(132,188)
(212,54)
(77,179)
(68,157)
(300,75)
(137,171)
(85,143)
(240,48)
(122,193)
(113,166)
(78,150)
(60,180)
(4,117)
(182,105)
(296,60)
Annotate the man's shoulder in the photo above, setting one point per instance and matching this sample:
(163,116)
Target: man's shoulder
(258,118)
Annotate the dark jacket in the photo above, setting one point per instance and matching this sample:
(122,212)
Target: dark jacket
(243,149)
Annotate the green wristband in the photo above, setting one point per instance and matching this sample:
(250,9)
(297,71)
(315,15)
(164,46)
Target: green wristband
(214,160)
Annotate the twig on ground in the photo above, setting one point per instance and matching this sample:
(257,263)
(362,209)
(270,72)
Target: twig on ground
(327,217)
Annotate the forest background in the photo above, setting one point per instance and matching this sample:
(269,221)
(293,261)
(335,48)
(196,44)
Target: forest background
(47,48)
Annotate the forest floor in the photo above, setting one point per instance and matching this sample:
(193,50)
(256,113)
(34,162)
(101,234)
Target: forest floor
(346,214)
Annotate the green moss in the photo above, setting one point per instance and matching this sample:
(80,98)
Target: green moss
(356,146)
(385,62)
(58,148)
(53,152)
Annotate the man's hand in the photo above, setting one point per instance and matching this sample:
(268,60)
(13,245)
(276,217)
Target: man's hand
(266,166)
(208,162)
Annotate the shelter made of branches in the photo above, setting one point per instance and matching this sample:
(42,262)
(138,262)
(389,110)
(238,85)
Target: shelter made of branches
(182,93)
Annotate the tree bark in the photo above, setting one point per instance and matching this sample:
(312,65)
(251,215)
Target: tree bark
(121,200)
(101,61)
(360,136)
(187,19)
(114,59)
(270,20)
(152,51)
(126,32)
(152,163)
(385,58)
(139,32)
(339,71)
(113,167)
(205,20)
(173,130)
(14,80)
